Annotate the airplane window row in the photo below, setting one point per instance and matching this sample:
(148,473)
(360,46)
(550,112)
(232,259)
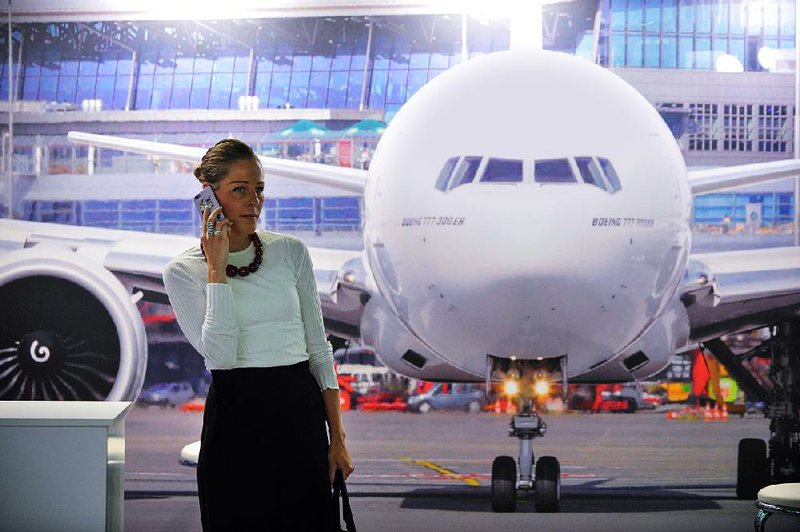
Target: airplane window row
(595,171)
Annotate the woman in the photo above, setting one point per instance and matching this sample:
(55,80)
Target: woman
(247,301)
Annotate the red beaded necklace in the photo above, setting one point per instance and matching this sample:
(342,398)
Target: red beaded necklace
(244,271)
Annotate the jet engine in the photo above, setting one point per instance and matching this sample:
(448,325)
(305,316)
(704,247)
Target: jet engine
(69,329)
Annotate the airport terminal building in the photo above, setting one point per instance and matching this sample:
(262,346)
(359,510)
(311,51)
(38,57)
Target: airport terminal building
(720,72)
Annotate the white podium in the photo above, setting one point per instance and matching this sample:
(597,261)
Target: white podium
(62,465)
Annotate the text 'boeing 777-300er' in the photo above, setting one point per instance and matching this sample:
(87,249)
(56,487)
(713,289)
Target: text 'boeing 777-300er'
(526,218)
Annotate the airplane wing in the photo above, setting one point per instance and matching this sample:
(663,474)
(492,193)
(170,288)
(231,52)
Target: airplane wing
(139,258)
(136,258)
(730,291)
(351,179)
(714,179)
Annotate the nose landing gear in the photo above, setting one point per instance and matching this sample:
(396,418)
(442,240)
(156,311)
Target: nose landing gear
(546,485)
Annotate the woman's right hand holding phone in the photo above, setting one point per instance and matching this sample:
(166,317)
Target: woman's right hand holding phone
(214,239)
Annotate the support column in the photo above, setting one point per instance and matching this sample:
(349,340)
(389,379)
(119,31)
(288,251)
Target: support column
(366,83)
(251,73)
(91,158)
(132,80)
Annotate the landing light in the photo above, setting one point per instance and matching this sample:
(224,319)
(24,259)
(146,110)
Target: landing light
(511,387)
(542,387)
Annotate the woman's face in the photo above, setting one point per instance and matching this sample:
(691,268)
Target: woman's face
(241,195)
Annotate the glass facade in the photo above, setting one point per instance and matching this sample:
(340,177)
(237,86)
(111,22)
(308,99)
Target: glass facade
(323,63)
(333,70)
(180,216)
(692,34)
(287,76)
(328,70)
(710,209)
(343,63)
(191,82)
(48,76)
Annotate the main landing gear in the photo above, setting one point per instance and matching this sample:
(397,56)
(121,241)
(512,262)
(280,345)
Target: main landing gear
(546,484)
(778,461)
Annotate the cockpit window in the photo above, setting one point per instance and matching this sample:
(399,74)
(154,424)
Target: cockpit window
(445,173)
(462,170)
(590,172)
(611,174)
(553,171)
(466,171)
(502,171)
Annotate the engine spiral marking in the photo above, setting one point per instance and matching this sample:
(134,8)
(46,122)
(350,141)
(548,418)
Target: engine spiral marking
(42,354)
(56,352)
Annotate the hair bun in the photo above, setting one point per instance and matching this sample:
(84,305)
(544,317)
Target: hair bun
(218,159)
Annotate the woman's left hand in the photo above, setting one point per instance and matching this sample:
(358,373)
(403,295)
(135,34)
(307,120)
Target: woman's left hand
(339,458)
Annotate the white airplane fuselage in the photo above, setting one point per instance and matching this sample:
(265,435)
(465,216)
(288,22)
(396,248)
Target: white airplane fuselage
(526,269)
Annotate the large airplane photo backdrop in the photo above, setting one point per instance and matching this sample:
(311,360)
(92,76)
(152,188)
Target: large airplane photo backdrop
(526,216)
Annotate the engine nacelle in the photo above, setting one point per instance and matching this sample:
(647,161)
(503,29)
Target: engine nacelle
(68,329)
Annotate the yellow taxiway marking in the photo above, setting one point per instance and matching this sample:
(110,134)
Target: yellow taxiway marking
(446,472)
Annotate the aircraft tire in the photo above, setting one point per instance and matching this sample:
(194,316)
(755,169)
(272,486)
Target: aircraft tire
(548,484)
(751,471)
(504,484)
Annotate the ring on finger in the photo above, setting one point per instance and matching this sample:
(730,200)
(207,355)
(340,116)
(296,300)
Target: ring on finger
(216,232)
(210,227)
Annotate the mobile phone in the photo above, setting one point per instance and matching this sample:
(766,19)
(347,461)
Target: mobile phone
(207,198)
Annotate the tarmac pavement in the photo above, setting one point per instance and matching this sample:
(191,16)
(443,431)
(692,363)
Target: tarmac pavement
(433,472)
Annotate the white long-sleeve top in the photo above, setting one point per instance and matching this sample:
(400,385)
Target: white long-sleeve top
(270,318)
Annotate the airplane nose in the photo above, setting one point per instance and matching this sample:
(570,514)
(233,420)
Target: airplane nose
(506,308)
(532,303)
(543,290)
(539,308)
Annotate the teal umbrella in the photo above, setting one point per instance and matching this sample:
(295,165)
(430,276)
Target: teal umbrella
(365,128)
(303,130)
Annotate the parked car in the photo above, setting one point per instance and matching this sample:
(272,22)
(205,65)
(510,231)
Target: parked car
(627,398)
(366,378)
(449,396)
(167,394)
(642,400)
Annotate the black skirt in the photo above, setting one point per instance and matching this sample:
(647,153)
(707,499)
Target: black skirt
(263,461)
